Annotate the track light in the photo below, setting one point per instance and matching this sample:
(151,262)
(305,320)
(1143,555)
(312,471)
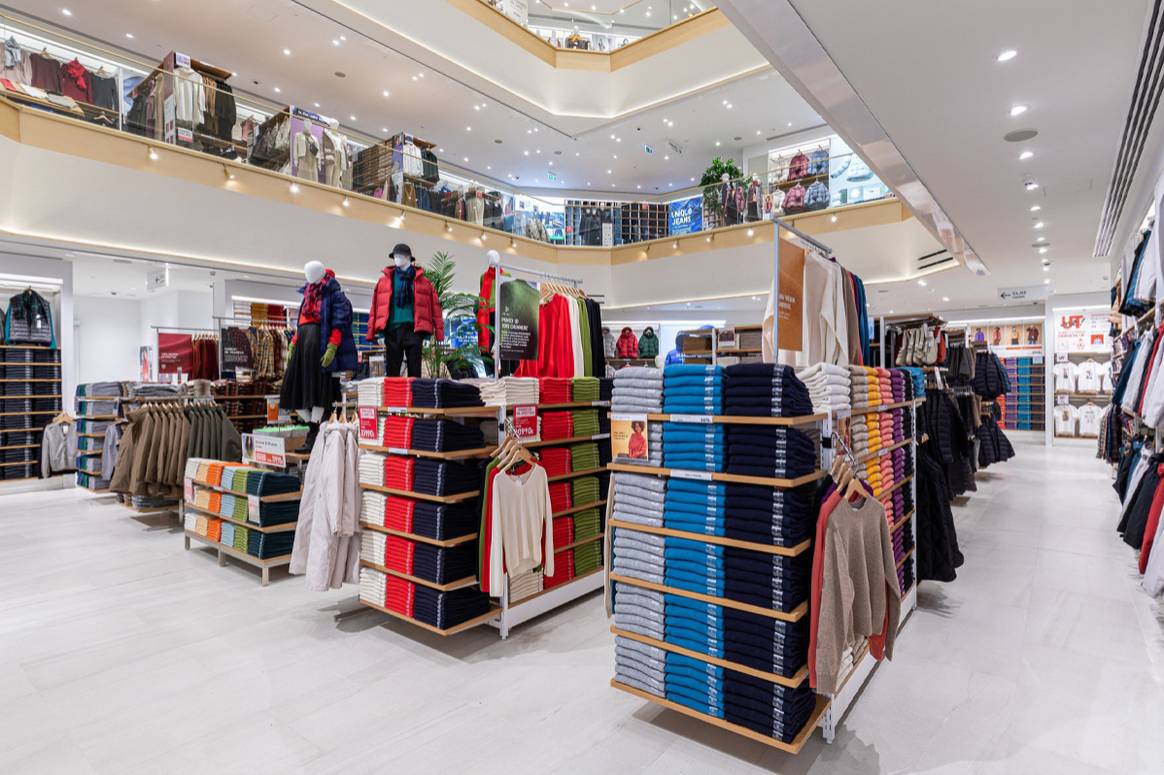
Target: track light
(227,172)
(294,188)
(153,155)
(512,242)
(484,235)
(751,232)
(674,244)
(448,226)
(346,202)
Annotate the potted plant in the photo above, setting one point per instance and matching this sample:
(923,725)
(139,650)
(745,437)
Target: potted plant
(458,308)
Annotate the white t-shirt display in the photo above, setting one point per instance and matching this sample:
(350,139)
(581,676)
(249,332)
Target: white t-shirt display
(1106,387)
(1089,416)
(1066,420)
(1065,377)
(1088,377)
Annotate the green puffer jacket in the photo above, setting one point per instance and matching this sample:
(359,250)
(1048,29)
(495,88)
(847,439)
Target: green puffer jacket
(648,343)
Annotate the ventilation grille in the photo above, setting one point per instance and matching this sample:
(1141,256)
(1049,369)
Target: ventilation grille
(1145,98)
(937,258)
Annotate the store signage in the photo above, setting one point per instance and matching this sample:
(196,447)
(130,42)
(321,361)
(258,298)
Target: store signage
(525,422)
(175,353)
(235,349)
(1060,357)
(519,320)
(790,315)
(157,279)
(726,339)
(1024,293)
(630,437)
(551,176)
(265,449)
(700,476)
(697,419)
(648,149)
(685,216)
(1082,331)
(181,60)
(369,424)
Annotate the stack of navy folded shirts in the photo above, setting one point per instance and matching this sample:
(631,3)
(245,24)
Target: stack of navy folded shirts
(760,450)
(448,609)
(765,580)
(445,436)
(695,566)
(767,515)
(444,565)
(439,477)
(695,684)
(278,513)
(640,666)
(766,707)
(444,394)
(639,499)
(444,522)
(638,610)
(605,388)
(693,446)
(639,556)
(268,545)
(271,483)
(693,389)
(695,507)
(905,576)
(765,390)
(764,643)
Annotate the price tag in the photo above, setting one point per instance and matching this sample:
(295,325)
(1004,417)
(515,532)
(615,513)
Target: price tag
(699,419)
(188,490)
(1037,359)
(1062,400)
(253,508)
(1059,358)
(629,417)
(396,409)
(397,451)
(181,60)
(525,422)
(700,476)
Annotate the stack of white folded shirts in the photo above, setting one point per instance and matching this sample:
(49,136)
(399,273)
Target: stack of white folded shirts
(525,585)
(639,610)
(637,390)
(191,521)
(829,386)
(492,390)
(372,508)
(373,547)
(639,499)
(507,391)
(640,666)
(372,468)
(638,555)
(192,464)
(373,586)
(370,392)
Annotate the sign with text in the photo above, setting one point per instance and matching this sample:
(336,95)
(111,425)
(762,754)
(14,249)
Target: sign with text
(629,438)
(175,353)
(1082,331)
(519,320)
(685,216)
(1024,293)
(369,424)
(525,422)
(235,348)
(790,315)
(264,449)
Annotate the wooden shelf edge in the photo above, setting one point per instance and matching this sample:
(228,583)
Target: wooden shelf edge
(795,615)
(419,538)
(796,680)
(782,551)
(536,595)
(287,527)
(577,509)
(732,419)
(578,474)
(468,581)
(455,455)
(230,551)
(467,625)
(280,498)
(458,498)
(763,481)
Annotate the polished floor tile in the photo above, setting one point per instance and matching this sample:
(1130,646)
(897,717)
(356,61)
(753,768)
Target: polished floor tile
(124,653)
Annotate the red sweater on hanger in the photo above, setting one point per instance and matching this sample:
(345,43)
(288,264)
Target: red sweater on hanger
(555,342)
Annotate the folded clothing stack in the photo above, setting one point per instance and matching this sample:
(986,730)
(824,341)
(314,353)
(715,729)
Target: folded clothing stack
(639,499)
(226,536)
(557,425)
(443,521)
(898,380)
(268,545)
(507,391)
(766,580)
(640,666)
(829,388)
(905,576)
(694,565)
(561,497)
(766,707)
(605,388)
(584,422)
(638,610)
(440,477)
(370,392)
(525,585)
(444,565)
(695,507)
(756,641)
(694,625)
(695,684)
(448,609)
(917,381)
(866,388)
(585,489)
(563,528)
(779,452)
(885,382)
(264,483)
(373,547)
(587,524)
(398,554)
(371,469)
(274,513)
(563,570)
(765,515)
(765,390)
(639,555)
(585,456)
(242,538)
(555,390)
(693,446)
(373,586)
(445,436)
(398,391)
(396,432)
(585,390)
(444,394)
(637,390)
(400,472)
(693,389)
(556,460)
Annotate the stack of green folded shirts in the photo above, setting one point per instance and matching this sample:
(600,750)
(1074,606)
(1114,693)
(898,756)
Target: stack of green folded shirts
(587,523)
(584,457)
(585,422)
(585,389)
(586,490)
(241,536)
(587,558)
(240,509)
(239,481)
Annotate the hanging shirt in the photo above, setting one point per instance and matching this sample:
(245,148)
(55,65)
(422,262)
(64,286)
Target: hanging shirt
(1089,416)
(1088,377)
(189,97)
(523,521)
(1066,420)
(579,367)
(1064,377)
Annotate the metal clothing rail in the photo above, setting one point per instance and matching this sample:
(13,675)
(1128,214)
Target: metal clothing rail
(810,240)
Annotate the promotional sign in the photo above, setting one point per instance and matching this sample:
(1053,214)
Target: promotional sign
(607,235)
(629,438)
(1082,331)
(790,329)
(145,355)
(235,349)
(170,120)
(518,302)
(369,426)
(175,353)
(686,215)
(525,422)
(265,449)
(726,339)
(1024,293)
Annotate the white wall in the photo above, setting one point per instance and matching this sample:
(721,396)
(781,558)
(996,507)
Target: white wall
(173,309)
(108,336)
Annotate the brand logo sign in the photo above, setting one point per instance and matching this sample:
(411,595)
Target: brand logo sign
(686,215)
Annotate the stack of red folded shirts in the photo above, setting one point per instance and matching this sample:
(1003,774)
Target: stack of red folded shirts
(556,461)
(398,513)
(398,554)
(399,472)
(563,532)
(398,391)
(398,432)
(561,497)
(399,595)
(563,570)
(557,425)
(555,390)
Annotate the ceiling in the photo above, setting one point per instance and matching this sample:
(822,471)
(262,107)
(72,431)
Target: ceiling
(636,18)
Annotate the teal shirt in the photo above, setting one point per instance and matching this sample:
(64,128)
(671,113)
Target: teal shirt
(400,315)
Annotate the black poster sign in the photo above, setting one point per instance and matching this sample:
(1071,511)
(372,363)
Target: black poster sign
(236,349)
(519,320)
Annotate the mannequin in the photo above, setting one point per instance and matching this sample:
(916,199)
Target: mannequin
(322,346)
(336,164)
(405,311)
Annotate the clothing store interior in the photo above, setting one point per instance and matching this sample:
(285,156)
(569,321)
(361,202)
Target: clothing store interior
(512,386)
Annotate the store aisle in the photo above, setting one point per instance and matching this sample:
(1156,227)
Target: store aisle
(124,653)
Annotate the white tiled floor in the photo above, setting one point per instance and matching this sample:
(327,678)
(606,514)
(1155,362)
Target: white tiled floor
(123,653)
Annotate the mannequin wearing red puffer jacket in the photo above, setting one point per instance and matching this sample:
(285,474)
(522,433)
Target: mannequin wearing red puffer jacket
(628,344)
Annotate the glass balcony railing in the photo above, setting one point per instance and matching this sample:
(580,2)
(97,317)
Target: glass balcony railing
(596,25)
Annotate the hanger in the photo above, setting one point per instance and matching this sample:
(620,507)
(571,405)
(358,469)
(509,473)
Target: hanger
(63,417)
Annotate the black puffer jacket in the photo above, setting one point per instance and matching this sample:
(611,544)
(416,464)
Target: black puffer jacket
(938,555)
(949,441)
(990,380)
(30,320)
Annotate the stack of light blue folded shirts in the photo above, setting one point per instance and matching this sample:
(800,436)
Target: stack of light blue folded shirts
(695,684)
(639,555)
(695,507)
(692,389)
(694,565)
(693,446)
(639,499)
(694,625)
(640,666)
(639,610)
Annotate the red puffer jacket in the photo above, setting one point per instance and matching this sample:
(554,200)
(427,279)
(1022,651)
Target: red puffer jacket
(628,344)
(427,316)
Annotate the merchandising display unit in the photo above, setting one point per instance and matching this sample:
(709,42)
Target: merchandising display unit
(1024,407)
(30,396)
(1083,385)
(96,405)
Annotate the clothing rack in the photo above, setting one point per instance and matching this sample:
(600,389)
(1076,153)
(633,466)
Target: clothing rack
(815,243)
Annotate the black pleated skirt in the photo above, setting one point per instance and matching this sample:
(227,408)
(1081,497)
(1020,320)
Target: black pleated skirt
(305,383)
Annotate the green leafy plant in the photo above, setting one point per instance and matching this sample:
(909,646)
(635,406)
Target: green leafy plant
(457,305)
(712,178)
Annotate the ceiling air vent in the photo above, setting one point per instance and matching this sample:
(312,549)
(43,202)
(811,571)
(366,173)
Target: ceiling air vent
(1145,98)
(931,260)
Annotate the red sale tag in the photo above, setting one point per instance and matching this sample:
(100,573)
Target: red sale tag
(525,422)
(368,423)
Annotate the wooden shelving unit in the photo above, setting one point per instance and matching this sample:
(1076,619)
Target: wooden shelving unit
(712,476)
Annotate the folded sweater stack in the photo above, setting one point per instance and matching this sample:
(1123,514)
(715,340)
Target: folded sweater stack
(765,390)
(444,394)
(694,446)
(829,387)
(637,390)
(693,389)
(639,499)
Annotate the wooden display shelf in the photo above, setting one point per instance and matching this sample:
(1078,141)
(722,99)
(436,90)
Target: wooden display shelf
(26,347)
(25,430)
(92,399)
(572,405)
(578,474)
(280,498)
(822,704)
(901,523)
(796,680)
(782,551)
(91,435)
(88,452)
(20,446)
(97,417)
(709,476)
(456,411)
(466,625)
(460,454)
(577,509)
(286,527)
(536,595)
(262,416)
(739,351)
(458,498)
(419,538)
(1089,396)
(865,457)
(19,463)
(557,442)
(739,419)
(17,398)
(582,542)
(225,551)
(905,557)
(795,615)
(22,414)
(468,581)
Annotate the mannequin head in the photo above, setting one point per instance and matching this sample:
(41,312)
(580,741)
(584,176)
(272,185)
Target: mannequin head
(333,123)
(494,257)
(725,177)
(313,271)
(401,256)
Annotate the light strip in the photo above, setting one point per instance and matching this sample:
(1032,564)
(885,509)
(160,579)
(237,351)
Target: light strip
(1082,306)
(1027,319)
(255,300)
(27,279)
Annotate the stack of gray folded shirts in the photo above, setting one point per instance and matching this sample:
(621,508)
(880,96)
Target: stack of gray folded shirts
(637,390)
(640,611)
(639,499)
(639,666)
(639,556)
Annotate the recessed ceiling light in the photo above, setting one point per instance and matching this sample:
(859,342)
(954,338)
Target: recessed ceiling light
(525,153)
(335,42)
(588,182)
(945,298)
(421,75)
(577,153)
(612,137)
(693,180)
(342,37)
(666,158)
(1040,238)
(386,93)
(66,12)
(286,52)
(1007,55)
(466,160)
(1026,155)
(551,164)
(1017,110)
(353,118)
(758,133)
(616,156)
(414,78)
(1039,225)
(129,35)
(1042,251)
(468,129)
(833,219)
(488,166)
(1036,208)
(1047,281)
(610,172)
(922,283)
(618,139)
(1046,267)
(538,151)
(278,90)
(1031,185)
(789,123)
(639,187)
(476,107)
(316,104)
(717,143)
